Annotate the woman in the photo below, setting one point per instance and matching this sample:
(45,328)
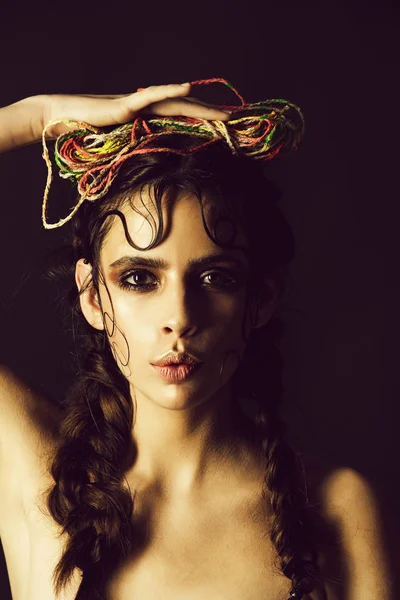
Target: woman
(161,484)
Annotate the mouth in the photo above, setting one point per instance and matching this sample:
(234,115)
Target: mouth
(177,359)
(186,364)
(191,363)
(178,371)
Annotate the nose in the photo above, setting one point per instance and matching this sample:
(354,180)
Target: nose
(181,309)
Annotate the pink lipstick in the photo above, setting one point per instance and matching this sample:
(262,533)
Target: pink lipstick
(177,373)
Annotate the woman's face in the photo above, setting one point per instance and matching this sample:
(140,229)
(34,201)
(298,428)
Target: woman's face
(198,309)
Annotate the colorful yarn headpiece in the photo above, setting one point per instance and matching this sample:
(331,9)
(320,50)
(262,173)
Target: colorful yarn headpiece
(92,157)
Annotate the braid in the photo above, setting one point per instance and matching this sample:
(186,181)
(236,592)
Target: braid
(287,530)
(87,472)
(296,526)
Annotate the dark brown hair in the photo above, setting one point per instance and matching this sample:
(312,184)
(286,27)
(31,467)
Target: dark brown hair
(89,498)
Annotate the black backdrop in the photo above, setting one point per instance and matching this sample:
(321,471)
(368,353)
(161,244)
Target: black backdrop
(339,62)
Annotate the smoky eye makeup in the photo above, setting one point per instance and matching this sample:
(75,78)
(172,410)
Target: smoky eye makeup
(139,280)
(220,263)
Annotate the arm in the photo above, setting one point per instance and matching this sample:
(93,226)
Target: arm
(23,122)
(29,426)
(20,122)
(27,419)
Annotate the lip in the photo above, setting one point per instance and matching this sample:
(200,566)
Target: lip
(177,358)
(177,373)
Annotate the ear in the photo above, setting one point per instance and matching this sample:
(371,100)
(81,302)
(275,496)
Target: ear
(88,298)
(267,302)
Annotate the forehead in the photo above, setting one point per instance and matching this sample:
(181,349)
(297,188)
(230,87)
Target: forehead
(183,228)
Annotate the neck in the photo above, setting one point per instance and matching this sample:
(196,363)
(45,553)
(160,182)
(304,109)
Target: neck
(181,449)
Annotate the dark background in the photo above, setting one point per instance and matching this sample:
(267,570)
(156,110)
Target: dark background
(339,62)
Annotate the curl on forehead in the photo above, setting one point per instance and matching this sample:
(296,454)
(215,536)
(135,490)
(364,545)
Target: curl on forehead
(146,217)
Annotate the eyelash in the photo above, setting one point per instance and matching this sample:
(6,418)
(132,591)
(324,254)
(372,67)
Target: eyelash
(123,283)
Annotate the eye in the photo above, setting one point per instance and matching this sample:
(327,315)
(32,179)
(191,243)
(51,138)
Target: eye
(137,274)
(221,279)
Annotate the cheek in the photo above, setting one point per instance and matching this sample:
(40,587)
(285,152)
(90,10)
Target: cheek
(118,313)
(123,328)
(119,343)
(230,334)
(235,335)
(234,320)
(237,331)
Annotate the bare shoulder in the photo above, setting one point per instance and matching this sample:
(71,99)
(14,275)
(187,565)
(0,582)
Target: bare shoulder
(345,496)
(330,484)
(28,420)
(353,506)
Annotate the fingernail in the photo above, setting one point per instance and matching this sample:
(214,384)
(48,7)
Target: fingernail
(185,84)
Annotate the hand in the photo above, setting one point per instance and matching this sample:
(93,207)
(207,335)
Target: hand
(102,110)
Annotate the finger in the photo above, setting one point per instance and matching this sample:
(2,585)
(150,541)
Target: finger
(188,109)
(180,87)
(196,100)
(156,93)
(112,96)
(108,96)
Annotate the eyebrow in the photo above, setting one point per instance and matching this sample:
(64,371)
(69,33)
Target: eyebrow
(162,264)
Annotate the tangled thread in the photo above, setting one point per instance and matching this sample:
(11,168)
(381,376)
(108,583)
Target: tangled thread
(92,157)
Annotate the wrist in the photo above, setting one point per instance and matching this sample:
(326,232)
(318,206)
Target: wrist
(43,111)
(37,110)
(54,107)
